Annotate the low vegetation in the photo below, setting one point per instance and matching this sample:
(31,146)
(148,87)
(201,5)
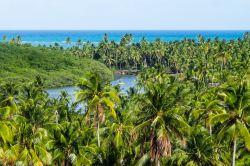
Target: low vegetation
(22,63)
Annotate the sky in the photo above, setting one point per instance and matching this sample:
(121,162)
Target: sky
(124,14)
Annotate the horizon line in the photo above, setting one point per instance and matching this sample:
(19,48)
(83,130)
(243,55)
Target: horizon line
(124,30)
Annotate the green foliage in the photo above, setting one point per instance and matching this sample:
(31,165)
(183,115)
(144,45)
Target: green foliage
(153,125)
(206,60)
(22,63)
(176,115)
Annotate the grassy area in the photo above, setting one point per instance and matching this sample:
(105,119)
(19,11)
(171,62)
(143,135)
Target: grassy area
(22,63)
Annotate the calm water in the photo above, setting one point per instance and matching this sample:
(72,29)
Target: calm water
(125,82)
(50,37)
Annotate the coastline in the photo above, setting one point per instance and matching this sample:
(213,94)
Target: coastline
(126,72)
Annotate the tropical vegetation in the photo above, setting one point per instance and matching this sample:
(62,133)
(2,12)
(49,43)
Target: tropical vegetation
(190,106)
(22,63)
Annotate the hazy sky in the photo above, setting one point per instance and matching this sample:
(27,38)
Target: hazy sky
(125,14)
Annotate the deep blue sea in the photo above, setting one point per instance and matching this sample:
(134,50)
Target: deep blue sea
(50,37)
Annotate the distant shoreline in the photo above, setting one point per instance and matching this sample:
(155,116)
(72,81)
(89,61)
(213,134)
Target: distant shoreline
(126,72)
(50,37)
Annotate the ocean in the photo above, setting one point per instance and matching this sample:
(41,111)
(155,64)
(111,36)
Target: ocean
(50,37)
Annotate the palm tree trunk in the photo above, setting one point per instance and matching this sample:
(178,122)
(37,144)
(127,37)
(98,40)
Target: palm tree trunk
(212,80)
(98,134)
(98,140)
(234,152)
(116,61)
(145,62)
(210,130)
(150,61)
(127,64)
(158,162)
(65,163)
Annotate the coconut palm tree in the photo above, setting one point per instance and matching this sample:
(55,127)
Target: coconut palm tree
(31,135)
(70,144)
(79,43)
(117,139)
(99,99)
(68,40)
(233,121)
(4,38)
(158,119)
(18,39)
(197,150)
(31,143)
(207,106)
(12,41)
(8,98)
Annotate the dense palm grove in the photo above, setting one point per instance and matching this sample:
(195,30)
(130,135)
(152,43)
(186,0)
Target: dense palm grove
(191,106)
(184,56)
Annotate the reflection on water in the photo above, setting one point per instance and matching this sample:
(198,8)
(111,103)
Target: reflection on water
(125,82)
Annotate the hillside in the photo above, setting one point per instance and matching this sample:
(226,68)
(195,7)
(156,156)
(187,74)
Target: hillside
(22,63)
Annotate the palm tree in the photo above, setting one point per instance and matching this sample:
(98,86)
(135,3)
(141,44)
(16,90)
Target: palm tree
(126,39)
(31,135)
(233,121)
(201,39)
(99,98)
(197,150)
(12,41)
(207,106)
(8,98)
(31,143)
(18,40)
(79,43)
(56,45)
(136,57)
(158,50)
(158,119)
(117,134)
(70,144)
(4,38)
(68,40)
(105,38)
(7,133)
(223,58)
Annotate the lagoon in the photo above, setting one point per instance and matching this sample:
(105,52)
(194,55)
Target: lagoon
(125,82)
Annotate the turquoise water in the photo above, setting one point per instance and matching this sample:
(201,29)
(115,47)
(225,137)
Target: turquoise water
(50,37)
(125,82)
